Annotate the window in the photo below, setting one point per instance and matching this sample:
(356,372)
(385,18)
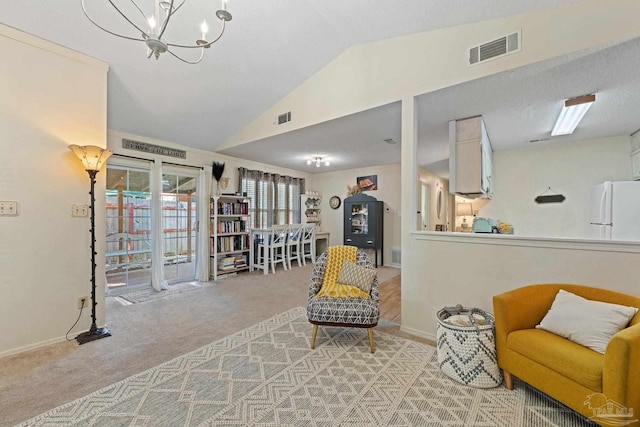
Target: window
(275,199)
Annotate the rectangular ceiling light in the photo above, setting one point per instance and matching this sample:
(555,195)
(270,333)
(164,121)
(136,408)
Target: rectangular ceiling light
(572,112)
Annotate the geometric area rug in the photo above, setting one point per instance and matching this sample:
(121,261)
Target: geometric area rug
(266,375)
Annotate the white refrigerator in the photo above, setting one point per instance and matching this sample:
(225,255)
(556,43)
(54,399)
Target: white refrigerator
(615,210)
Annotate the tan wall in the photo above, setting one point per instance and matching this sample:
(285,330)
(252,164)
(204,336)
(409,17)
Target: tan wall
(51,97)
(335,184)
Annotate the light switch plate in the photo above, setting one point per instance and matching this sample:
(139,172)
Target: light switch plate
(79,209)
(9,208)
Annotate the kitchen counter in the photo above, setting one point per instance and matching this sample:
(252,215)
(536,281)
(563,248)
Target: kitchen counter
(460,230)
(523,241)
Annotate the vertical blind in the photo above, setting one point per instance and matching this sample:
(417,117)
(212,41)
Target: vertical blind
(275,198)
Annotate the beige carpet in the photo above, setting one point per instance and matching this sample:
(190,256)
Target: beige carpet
(146,335)
(266,375)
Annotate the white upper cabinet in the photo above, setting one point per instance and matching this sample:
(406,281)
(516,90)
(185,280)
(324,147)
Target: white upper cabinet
(470,158)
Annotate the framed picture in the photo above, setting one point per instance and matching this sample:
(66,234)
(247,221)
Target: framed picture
(439,227)
(367,183)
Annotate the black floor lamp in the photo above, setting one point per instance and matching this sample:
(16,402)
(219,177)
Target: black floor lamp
(92,158)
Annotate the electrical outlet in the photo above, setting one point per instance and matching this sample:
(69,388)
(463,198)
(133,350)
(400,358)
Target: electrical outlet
(79,209)
(9,208)
(84,299)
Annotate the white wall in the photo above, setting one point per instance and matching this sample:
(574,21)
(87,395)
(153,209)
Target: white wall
(445,270)
(51,97)
(335,184)
(386,71)
(436,274)
(44,252)
(571,168)
(469,270)
(55,97)
(195,157)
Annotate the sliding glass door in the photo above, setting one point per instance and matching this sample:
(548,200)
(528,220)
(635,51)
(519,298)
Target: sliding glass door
(180,226)
(128,239)
(150,224)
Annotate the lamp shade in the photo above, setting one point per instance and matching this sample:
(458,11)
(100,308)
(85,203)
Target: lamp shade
(463,209)
(92,157)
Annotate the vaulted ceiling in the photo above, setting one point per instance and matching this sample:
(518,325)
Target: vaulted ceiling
(270,47)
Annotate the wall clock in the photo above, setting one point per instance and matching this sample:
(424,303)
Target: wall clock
(334,202)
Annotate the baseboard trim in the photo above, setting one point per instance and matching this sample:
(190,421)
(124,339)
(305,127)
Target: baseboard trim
(34,346)
(418,333)
(41,344)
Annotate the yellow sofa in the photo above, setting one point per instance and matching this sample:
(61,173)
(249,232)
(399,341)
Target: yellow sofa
(562,369)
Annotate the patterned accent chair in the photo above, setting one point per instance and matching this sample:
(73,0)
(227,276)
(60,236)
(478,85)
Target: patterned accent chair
(356,312)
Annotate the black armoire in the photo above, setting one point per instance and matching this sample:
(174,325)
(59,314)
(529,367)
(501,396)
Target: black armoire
(363,223)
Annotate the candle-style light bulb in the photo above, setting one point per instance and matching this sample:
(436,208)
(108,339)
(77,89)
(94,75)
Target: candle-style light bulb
(205,29)
(152,22)
(224,4)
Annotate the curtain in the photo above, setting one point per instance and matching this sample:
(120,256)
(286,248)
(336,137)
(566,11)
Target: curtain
(275,198)
(157,252)
(204,187)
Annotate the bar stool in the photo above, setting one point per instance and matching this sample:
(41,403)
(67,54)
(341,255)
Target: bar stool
(308,243)
(261,261)
(277,246)
(294,244)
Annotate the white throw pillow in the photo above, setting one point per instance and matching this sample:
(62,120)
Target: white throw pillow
(586,322)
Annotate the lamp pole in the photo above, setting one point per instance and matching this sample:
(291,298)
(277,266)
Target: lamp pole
(92,158)
(94,332)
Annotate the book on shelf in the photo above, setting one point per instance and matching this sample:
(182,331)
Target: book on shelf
(232,208)
(240,261)
(232,262)
(232,243)
(236,226)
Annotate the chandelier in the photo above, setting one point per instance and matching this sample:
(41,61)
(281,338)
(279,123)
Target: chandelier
(152,26)
(318,161)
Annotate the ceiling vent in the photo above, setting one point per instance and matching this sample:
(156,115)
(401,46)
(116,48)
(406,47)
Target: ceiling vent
(284,118)
(495,48)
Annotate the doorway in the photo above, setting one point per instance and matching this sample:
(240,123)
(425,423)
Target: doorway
(131,203)
(180,226)
(128,230)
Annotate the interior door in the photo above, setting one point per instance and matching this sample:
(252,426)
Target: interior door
(179,225)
